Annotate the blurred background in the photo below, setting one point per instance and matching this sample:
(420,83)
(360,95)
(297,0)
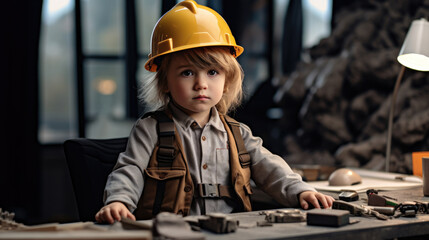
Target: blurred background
(318,80)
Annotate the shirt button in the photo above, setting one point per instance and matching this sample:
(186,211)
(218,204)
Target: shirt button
(205,166)
(204,138)
(187,188)
(194,124)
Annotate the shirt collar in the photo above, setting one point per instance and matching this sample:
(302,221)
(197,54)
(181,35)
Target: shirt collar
(185,121)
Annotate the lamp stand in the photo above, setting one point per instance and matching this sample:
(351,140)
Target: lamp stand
(391,113)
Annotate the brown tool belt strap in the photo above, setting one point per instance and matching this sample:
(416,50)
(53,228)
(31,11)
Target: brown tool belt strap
(166,138)
(213,190)
(166,154)
(243,155)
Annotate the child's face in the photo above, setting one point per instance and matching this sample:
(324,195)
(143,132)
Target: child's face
(195,90)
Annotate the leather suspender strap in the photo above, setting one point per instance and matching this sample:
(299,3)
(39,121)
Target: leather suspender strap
(243,155)
(165,155)
(166,152)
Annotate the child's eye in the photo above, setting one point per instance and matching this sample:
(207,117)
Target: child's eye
(187,73)
(212,72)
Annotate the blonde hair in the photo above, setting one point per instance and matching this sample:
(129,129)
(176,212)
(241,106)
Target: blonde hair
(153,88)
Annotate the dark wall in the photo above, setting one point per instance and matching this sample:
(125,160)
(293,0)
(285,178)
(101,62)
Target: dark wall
(19,160)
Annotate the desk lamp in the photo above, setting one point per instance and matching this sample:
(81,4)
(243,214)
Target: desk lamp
(414,54)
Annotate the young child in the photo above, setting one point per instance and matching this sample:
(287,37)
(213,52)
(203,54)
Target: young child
(197,81)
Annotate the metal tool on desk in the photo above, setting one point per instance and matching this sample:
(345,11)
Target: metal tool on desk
(218,223)
(168,225)
(348,195)
(7,223)
(284,216)
(381,200)
(129,224)
(388,204)
(389,211)
(358,210)
(408,209)
(423,206)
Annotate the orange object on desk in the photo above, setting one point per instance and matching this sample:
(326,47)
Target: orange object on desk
(417,162)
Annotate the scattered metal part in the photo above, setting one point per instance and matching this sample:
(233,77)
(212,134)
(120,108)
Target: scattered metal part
(408,209)
(7,222)
(267,212)
(389,211)
(170,226)
(358,210)
(378,215)
(349,195)
(388,197)
(218,223)
(423,206)
(371,191)
(130,224)
(285,216)
(264,224)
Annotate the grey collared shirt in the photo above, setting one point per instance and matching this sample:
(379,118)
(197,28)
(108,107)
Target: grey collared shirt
(206,149)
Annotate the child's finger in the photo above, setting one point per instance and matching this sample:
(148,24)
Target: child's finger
(107,217)
(130,215)
(116,214)
(322,200)
(329,201)
(304,204)
(125,213)
(97,217)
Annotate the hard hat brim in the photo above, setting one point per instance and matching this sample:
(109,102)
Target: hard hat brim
(152,67)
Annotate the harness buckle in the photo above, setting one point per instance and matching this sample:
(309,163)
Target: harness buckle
(208,190)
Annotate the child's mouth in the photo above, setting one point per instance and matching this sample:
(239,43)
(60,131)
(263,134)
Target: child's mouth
(201,97)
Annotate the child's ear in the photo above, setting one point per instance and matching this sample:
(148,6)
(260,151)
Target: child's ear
(225,88)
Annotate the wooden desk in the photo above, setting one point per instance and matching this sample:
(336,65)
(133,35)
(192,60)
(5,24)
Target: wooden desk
(366,228)
(77,235)
(78,231)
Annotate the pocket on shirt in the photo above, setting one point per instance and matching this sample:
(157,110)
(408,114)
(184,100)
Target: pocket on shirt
(164,174)
(172,181)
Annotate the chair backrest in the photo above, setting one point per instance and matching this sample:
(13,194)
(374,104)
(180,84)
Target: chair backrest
(90,161)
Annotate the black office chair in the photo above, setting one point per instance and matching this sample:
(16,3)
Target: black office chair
(90,161)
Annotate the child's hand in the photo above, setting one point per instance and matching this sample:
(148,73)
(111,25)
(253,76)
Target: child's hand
(113,211)
(316,199)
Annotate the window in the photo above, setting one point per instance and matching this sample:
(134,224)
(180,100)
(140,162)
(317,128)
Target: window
(316,24)
(317,21)
(105,77)
(144,29)
(89,51)
(254,36)
(58,113)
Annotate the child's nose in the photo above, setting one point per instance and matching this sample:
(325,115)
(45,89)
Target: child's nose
(200,82)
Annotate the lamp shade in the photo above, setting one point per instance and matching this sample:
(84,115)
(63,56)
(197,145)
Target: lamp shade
(414,53)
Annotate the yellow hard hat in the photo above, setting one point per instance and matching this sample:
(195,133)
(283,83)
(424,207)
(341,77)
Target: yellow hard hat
(189,25)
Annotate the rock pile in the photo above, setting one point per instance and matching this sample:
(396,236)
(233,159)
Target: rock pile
(336,105)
